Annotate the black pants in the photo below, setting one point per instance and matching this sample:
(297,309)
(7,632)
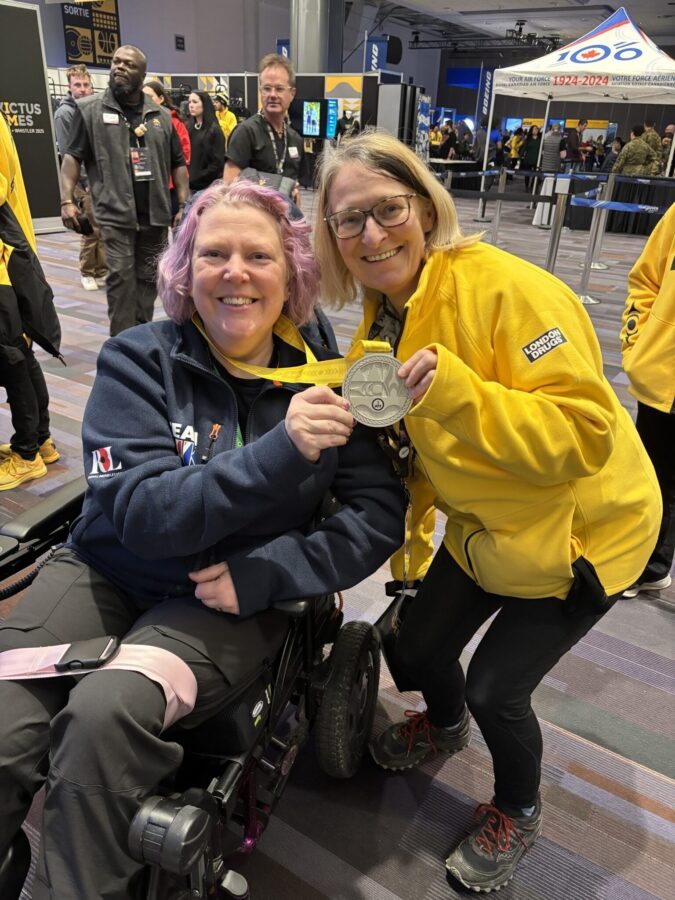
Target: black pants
(525,640)
(132,265)
(97,740)
(657,431)
(28,400)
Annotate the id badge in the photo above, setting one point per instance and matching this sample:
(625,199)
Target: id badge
(293,153)
(141,166)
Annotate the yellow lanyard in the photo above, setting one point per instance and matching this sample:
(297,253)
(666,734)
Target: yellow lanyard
(330,372)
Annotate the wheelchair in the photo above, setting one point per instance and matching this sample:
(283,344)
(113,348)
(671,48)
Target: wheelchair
(194,833)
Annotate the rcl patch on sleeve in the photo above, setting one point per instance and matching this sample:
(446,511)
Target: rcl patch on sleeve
(544,344)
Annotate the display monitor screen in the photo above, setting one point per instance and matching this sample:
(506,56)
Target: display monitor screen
(511,123)
(331,118)
(311,118)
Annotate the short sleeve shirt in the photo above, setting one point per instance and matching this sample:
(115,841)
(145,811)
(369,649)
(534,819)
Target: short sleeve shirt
(250,146)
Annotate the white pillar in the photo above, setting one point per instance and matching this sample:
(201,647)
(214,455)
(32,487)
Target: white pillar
(309,35)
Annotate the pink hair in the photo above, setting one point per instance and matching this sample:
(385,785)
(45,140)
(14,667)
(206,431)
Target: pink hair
(174,273)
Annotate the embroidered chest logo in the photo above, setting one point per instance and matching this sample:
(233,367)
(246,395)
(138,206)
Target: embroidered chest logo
(103,462)
(186,443)
(544,344)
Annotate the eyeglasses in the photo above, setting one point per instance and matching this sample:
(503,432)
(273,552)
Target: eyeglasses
(349,223)
(268,89)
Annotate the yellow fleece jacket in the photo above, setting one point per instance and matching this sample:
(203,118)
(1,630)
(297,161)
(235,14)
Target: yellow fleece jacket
(520,439)
(12,188)
(648,332)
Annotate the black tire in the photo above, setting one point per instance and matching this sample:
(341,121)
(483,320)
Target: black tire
(345,717)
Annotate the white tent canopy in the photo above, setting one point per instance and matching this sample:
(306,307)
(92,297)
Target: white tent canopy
(616,62)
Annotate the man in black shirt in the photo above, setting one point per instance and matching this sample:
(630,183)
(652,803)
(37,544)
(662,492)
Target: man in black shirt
(266,141)
(575,157)
(130,149)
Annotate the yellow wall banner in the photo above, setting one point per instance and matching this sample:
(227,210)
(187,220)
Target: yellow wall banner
(92,32)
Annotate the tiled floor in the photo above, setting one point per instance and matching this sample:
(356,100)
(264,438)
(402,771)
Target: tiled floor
(607,710)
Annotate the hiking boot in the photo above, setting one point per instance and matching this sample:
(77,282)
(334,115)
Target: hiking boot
(14,470)
(47,451)
(640,586)
(410,743)
(486,860)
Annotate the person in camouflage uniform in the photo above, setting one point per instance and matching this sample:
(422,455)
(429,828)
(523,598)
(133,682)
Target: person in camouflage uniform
(653,138)
(637,157)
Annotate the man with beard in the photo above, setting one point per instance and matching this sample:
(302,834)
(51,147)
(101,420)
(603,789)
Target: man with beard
(130,149)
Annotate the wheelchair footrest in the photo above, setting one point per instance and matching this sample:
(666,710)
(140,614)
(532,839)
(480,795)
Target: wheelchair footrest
(169,833)
(235,886)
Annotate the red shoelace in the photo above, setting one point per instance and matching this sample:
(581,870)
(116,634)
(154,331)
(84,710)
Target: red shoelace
(498,830)
(418,723)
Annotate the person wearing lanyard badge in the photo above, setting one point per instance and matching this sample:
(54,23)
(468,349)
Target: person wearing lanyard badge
(266,141)
(130,150)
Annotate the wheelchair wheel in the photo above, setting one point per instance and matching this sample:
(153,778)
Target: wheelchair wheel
(345,717)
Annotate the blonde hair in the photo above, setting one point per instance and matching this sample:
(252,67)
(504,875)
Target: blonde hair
(80,70)
(277,61)
(384,154)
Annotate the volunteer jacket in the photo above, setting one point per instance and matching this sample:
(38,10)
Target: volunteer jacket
(169,493)
(26,300)
(520,440)
(648,331)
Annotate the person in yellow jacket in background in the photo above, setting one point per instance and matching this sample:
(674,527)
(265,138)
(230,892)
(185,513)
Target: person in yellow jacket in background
(552,504)
(648,350)
(26,314)
(226,118)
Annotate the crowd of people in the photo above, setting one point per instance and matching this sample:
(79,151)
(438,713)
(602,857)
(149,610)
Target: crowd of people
(555,505)
(645,154)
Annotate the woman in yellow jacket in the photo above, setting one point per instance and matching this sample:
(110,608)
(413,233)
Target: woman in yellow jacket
(552,504)
(648,350)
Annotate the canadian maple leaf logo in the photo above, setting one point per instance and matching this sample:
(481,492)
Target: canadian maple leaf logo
(590,54)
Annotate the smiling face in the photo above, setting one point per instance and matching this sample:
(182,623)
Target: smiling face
(239,280)
(387,260)
(195,106)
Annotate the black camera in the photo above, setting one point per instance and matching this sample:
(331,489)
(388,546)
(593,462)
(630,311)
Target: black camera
(85,225)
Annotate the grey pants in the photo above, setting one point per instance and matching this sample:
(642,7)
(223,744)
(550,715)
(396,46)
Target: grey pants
(95,740)
(132,264)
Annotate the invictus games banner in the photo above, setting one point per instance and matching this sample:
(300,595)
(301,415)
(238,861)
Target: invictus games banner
(24,100)
(92,32)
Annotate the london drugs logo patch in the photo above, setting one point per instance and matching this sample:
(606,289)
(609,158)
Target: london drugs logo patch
(544,344)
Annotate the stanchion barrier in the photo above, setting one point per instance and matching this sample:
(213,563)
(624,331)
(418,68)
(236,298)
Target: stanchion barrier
(600,209)
(501,188)
(602,224)
(616,206)
(561,187)
(594,232)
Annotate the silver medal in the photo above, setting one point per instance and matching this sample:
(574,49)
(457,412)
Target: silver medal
(377,396)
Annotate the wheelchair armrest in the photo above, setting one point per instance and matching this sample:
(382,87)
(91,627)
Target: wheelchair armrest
(61,506)
(296,609)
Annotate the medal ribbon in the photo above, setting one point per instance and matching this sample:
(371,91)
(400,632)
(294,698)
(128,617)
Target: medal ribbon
(329,372)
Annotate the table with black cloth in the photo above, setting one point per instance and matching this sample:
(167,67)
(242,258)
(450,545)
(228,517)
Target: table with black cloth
(659,194)
(455,166)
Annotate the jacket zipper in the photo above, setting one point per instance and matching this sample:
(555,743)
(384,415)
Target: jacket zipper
(213,437)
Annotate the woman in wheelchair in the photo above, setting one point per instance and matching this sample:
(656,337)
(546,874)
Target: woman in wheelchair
(200,514)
